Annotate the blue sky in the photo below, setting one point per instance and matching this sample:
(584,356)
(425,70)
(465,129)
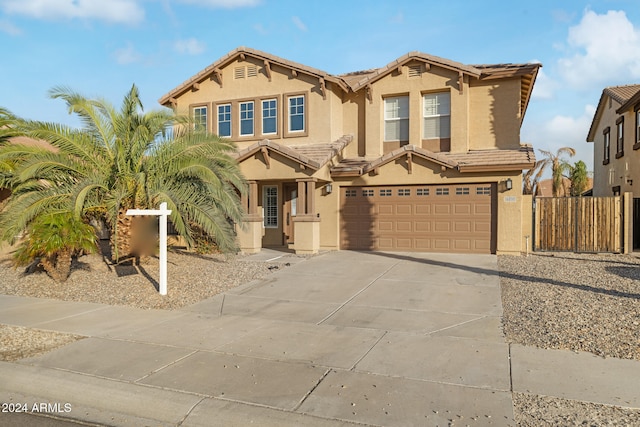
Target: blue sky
(100,48)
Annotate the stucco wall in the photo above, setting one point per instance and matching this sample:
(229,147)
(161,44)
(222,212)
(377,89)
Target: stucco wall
(619,170)
(494,119)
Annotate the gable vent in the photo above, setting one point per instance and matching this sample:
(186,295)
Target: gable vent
(238,73)
(252,70)
(415,70)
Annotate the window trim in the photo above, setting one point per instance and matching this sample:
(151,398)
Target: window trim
(253,118)
(620,137)
(217,121)
(287,133)
(262,118)
(424,94)
(194,107)
(606,145)
(265,197)
(385,119)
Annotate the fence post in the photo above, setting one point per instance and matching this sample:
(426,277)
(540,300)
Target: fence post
(627,221)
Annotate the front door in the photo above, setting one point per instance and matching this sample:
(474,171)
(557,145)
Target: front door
(290,201)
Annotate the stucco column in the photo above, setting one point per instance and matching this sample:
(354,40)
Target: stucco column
(306,223)
(250,231)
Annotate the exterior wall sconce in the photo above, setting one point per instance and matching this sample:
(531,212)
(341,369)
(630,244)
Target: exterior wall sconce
(508,184)
(328,188)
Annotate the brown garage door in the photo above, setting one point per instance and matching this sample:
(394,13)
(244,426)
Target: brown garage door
(427,218)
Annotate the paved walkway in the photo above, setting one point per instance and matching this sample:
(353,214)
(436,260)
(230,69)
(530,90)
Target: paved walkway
(341,338)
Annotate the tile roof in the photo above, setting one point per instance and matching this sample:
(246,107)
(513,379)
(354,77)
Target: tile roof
(494,159)
(626,95)
(471,161)
(357,80)
(313,156)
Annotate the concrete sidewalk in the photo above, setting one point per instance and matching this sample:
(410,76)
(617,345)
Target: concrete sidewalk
(341,338)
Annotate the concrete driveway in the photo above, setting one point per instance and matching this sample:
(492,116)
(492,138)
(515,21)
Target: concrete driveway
(373,338)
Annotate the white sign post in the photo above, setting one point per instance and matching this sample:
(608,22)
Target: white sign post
(162,213)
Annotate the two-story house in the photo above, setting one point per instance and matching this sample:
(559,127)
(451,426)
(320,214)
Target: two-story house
(615,133)
(422,154)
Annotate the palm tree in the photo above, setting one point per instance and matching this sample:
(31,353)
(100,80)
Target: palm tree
(55,238)
(558,167)
(121,159)
(531,177)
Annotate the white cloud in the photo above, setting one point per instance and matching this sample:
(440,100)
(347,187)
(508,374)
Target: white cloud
(602,50)
(298,23)
(190,46)
(563,131)
(127,55)
(114,11)
(8,28)
(223,4)
(545,87)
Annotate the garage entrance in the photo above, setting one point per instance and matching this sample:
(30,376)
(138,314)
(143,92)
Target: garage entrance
(421,218)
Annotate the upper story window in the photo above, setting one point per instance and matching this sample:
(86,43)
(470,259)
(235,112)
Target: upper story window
(607,145)
(224,120)
(620,137)
(269,116)
(636,144)
(436,113)
(396,118)
(296,113)
(200,118)
(246,118)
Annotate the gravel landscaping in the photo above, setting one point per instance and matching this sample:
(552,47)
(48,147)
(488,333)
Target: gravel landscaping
(580,302)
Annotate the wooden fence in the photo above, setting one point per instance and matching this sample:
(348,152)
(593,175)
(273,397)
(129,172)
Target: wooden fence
(579,224)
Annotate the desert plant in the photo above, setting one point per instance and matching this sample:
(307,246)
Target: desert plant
(558,167)
(579,178)
(55,238)
(121,159)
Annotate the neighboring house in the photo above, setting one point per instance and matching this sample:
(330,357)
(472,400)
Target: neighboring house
(422,154)
(545,188)
(615,133)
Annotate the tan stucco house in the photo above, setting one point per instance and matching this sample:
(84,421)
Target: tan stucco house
(422,154)
(615,133)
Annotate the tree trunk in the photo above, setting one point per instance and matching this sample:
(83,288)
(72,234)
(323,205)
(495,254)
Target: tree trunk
(122,245)
(58,266)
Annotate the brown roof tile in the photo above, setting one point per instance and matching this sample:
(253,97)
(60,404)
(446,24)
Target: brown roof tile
(522,158)
(313,156)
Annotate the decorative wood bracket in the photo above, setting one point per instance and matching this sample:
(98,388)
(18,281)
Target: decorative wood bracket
(195,87)
(460,82)
(294,73)
(323,89)
(369,93)
(242,56)
(399,69)
(265,154)
(410,163)
(173,102)
(267,69)
(217,75)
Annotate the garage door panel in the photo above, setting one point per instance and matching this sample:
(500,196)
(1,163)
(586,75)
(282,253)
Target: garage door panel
(429,218)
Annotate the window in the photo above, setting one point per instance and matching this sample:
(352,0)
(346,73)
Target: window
(270,205)
(367,193)
(246,118)
(404,192)
(296,114)
(269,116)
(200,118)
(636,144)
(224,120)
(351,193)
(396,118)
(422,192)
(607,145)
(442,191)
(437,115)
(385,193)
(462,191)
(483,191)
(620,137)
